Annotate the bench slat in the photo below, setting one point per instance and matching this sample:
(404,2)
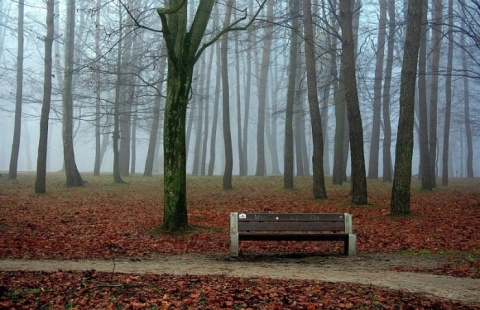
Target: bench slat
(298,217)
(291,226)
(293,237)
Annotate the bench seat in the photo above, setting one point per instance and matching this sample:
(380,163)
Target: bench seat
(291,227)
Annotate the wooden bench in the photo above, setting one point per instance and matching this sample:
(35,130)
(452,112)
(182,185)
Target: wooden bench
(292,227)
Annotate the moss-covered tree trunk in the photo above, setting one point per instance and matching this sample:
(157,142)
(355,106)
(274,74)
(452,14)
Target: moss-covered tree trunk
(182,49)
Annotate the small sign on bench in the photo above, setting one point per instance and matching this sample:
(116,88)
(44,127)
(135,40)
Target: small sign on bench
(292,227)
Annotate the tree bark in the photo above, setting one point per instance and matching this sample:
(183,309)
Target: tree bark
(227,135)
(400,200)
(466,109)
(288,180)
(359,181)
(262,92)
(387,128)
(425,174)
(17,130)
(436,45)
(152,142)
(73,176)
(98,90)
(377,93)
(40,179)
(182,48)
(319,191)
(213,136)
(448,97)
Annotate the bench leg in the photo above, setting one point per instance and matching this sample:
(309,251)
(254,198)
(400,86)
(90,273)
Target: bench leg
(351,245)
(234,234)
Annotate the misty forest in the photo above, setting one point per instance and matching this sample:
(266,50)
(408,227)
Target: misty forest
(279,123)
(340,89)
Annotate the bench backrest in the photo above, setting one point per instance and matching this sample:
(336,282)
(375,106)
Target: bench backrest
(270,222)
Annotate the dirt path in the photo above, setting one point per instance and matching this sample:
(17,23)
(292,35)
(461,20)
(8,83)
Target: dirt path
(365,269)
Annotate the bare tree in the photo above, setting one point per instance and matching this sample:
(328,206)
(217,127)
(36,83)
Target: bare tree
(12,172)
(40,179)
(288,181)
(227,135)
(319,191)
(448,96)
(400,201)
(359,180)
(436,45)
(387,128)
(377,92)
(73,176)
(262,92)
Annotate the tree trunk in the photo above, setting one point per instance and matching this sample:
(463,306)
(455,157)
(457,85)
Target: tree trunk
(387,128)
(12,172)
(339,99)
(197,151)
(436,45)
(448,97)
(213,136)
(206,115)
(466,109)
(248,85)
(319,191)
(425,174)
(227,136)
(133,145)
(73,176)
(152,142)
(359,182)
(262,92)
(377,93)
(182,49)
(400,201)
(117,178)
(98,90)
(288,181)
(40,180)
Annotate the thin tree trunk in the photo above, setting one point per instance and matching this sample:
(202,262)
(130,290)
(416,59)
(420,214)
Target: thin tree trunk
(466,109)
(133,145)
(12,172)
(227,136)
(436,45)
(288,181)
(262,92)
(117,178)
(248,85)
(98,90)
(197,151)
(40,179)
(73,176)
(448,97)
(319,191)
(213,137)
(377,93)
(387,128)
(425,174)
(206,115)
(400,201)
(152,141)
(359,182)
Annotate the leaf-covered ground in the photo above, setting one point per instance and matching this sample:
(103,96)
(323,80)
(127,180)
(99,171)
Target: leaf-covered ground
(96,290)
(105,220)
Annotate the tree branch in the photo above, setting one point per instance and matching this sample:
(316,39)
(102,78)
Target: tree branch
(232,27)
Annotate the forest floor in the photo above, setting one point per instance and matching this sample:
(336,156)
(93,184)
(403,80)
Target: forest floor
(96,247)
(382,270)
